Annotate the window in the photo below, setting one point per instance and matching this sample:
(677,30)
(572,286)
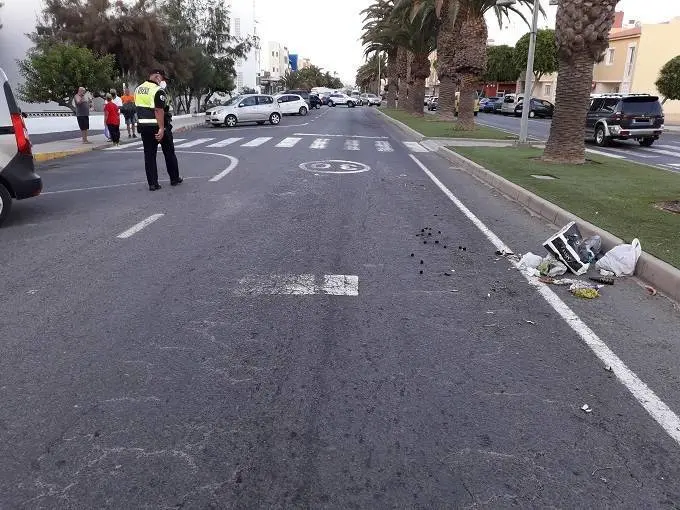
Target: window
(547,89)
(265,99)
(610,104)
(609,57)
(630,62)
(272,53)
(596,105)
(237,27)
(509,99)
(249,101)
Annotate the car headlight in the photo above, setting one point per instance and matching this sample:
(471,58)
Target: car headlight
(615,129)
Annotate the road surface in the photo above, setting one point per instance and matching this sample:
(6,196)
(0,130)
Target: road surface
(282,331)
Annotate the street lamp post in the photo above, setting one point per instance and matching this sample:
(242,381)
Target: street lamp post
(379,59)
(529,76)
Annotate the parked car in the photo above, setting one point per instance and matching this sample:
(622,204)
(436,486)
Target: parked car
(247,108)
(292,104)
(314,101)
(624,117)
(300,92)
(509,103)
(18,179)
(432,103)
(427,99)
(476,106)
(498,105)
(337,98)
(539,108)
(325,96)
(371,100)
(356,96)
(490,104)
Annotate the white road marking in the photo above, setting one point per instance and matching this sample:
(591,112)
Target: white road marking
(94,188)
(192,143)
(351,145)
(352,136)
(232,164)
(139,226)
(636,154)
(288,142)
(297,285)
(664,152)
(658,409)
(674,165)
(319,143)
(608,154)
(415,147)
(255,142)
(383,146)
(225,142)
(134,144)
(340,285)
(672,147)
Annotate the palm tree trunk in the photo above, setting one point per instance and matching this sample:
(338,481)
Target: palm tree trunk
(392,78)
(566,143)
(420,70)
(447,40)
(466,106)
(402,67)
(446,107)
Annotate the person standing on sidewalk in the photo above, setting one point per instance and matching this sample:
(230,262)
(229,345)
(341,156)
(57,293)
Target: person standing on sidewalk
(112,119)
(129,111)
(83,113)
(150,102)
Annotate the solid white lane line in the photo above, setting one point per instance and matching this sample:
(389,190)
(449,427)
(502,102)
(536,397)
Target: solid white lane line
(288,142)
(658,409)
(225,142)
(192,143)
(608,154)
(415,147)
(351,145)
(383,146)
(352,136)
(319,143)
(636,154)
(255,142)
(139,226)
(108,186)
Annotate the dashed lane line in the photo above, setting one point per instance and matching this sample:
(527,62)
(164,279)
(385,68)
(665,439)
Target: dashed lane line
(140,226)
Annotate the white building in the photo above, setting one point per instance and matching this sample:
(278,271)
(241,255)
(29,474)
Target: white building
(275,64)
(243,16)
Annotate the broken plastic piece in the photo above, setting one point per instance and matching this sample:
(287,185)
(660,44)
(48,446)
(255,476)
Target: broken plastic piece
(587,408)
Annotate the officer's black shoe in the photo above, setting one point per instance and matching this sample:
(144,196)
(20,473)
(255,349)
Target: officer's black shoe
(177,182)
(154,187)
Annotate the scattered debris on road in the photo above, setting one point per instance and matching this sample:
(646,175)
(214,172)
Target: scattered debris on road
(585,293)
(606,280)
(587,408)
(650,290)
(530,322)
(622,259)
(568,247)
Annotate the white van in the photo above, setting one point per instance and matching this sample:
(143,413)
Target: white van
(18,179)
(509,103)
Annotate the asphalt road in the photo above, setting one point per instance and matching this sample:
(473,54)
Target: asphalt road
(665,152)
(269,338)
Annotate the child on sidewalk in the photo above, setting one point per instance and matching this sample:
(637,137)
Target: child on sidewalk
(112,119)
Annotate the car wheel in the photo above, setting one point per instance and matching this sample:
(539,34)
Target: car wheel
(647,142)
(230,121)
(303,111)
(5,203)
(331,103)
(350,104)
(260,122)
(601,139)
(476,113)
(274,119)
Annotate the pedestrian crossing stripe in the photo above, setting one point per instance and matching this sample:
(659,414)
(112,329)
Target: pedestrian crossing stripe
(349,144)
(134,144)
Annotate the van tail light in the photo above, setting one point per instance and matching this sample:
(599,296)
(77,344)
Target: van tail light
(21,134)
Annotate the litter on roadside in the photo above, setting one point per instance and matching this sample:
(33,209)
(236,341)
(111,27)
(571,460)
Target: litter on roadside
(650,290)
(587,408)
(622,259)
(568,247)
(530,322)
(607,280)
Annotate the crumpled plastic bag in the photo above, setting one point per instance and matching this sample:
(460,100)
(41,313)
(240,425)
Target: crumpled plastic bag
(551,267)
(528,264)
(622,259)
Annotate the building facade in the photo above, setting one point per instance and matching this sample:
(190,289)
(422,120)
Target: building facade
(243,24)
(275,65)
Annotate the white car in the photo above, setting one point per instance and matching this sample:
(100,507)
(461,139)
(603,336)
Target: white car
(371,100)
(258,108)
(337,98)
(18,179)
(292,104)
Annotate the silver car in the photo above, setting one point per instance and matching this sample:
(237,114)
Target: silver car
(257,108)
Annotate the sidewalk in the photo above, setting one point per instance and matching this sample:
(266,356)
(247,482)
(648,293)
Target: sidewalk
(64,148)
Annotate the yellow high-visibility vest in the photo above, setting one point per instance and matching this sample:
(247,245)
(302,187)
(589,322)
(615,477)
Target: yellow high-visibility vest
(145,96)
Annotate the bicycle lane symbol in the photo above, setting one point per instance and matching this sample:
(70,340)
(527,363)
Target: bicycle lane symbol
(335,166)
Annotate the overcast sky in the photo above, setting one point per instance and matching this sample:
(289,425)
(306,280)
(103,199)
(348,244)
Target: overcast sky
(328,33)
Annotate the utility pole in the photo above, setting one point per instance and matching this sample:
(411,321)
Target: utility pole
(379,87)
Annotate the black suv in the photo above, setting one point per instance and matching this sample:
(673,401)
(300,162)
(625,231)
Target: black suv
(624,117)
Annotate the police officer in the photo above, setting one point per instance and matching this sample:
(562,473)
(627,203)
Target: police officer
(150,102)
(168,141)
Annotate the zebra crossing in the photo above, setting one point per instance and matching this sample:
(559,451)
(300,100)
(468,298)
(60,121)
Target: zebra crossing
(316,144)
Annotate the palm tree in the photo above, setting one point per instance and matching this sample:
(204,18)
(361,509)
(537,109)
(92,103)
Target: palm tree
(367,74)
(380,34)
(582,34)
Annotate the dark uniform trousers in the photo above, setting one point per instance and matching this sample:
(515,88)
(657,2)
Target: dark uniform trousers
(148,134)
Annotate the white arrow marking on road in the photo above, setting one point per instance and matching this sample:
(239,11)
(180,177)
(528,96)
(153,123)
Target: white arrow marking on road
(415,147)
(383,146)
(257,141)
(656,407)
(319,143)
(191,143)
(288,142)
(225,142)
(298,285)
(139,226)
(351,145)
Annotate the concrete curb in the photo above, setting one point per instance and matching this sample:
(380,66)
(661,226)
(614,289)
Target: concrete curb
(661,275)
(47,156)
